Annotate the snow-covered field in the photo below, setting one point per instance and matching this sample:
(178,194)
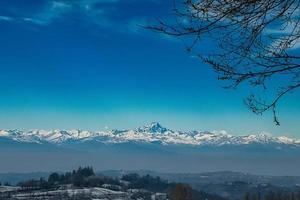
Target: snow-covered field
(82,194)
(8,188)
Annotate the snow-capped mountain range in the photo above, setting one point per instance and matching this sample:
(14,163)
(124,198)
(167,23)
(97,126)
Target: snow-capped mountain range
(152,133)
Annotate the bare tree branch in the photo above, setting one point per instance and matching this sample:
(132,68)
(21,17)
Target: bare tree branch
(256,42)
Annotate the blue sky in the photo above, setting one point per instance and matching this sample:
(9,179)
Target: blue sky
(87,64)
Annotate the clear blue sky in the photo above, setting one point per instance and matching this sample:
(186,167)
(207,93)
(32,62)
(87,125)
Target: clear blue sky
(86,64)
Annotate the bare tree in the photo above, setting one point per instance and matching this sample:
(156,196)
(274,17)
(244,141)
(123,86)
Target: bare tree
(256,43)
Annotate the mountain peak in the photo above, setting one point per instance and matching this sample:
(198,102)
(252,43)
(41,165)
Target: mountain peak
(152,132)
(153,127)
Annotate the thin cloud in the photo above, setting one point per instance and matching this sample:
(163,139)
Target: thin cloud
(5,18)
(107,14)
(52,11)
(55,10)
(34,20)
(287,30)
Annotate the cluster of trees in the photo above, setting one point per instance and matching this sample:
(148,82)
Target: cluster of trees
(5,184)
(35,184)
(71,176)
(154,184)
(182,192)
(280,195)
(82,177)
(86,177)
(185,192)
(176,191)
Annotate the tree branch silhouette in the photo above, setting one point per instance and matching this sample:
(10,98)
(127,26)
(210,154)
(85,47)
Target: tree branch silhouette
(256,43)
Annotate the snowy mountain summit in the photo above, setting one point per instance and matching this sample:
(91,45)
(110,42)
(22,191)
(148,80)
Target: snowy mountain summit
(151,133)
(153,127)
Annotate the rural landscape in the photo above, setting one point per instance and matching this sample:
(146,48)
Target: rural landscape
(149,100)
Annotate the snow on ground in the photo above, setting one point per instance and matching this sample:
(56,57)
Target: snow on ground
(92,193)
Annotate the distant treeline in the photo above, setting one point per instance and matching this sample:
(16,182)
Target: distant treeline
(86,177)
(82,177)
(279,195)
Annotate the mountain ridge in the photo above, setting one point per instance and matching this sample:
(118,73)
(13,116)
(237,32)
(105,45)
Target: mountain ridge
(151,133)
